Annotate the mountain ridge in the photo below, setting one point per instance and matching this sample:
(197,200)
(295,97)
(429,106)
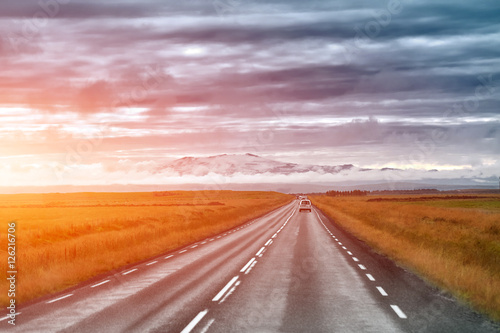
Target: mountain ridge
(247,164)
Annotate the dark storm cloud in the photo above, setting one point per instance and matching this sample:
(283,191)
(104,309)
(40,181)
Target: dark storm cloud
(70,9)
(59,9)
(288,85)
(337,76)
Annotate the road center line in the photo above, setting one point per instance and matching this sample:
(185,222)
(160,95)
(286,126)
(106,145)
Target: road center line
(60,298)
(195,321)
(382,291)
(99,284)
(8,317)
(250,268)
(230,292)
(247,265)
(207,326)
(128,272)
(223,291)
(398,311)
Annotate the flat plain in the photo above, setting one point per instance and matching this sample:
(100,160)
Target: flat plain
(63,239)
(453,241)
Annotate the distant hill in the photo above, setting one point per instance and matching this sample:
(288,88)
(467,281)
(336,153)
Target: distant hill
(247,164)
(253,172)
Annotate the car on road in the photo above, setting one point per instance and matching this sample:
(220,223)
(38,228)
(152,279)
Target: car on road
(305,205)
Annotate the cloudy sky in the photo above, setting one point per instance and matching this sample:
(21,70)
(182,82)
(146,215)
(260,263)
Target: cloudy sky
(98,92)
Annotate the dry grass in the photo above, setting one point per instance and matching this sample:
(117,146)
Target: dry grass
(454,243)
(63,239)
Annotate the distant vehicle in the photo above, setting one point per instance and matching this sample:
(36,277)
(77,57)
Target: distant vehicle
(305,205)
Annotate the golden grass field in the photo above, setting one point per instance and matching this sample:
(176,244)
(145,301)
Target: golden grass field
(453,242)
(63,239)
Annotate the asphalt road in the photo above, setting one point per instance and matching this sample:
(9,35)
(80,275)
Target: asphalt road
(284,272)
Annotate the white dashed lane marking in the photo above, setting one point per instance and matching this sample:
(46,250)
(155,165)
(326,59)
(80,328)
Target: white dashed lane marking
(226,288)
(99,284)
(362,267)
(128,272)
(251,266)
(247,265)
(152,263)
(194,322)
(398,311)
(260,251)
(170,256)
(230,292)
(60,298)
(207,326)
(8,317)
(382,291)
(370,277)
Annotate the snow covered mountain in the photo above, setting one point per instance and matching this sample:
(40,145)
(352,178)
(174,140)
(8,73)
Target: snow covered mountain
(249,171)
(247,164)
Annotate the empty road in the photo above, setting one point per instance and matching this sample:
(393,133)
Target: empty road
(284,272)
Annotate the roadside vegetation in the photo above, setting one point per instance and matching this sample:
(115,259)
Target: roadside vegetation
(63,239)
(452,241)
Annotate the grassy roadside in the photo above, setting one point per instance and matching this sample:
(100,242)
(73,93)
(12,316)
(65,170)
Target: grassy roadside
(452,242)
(63,239)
